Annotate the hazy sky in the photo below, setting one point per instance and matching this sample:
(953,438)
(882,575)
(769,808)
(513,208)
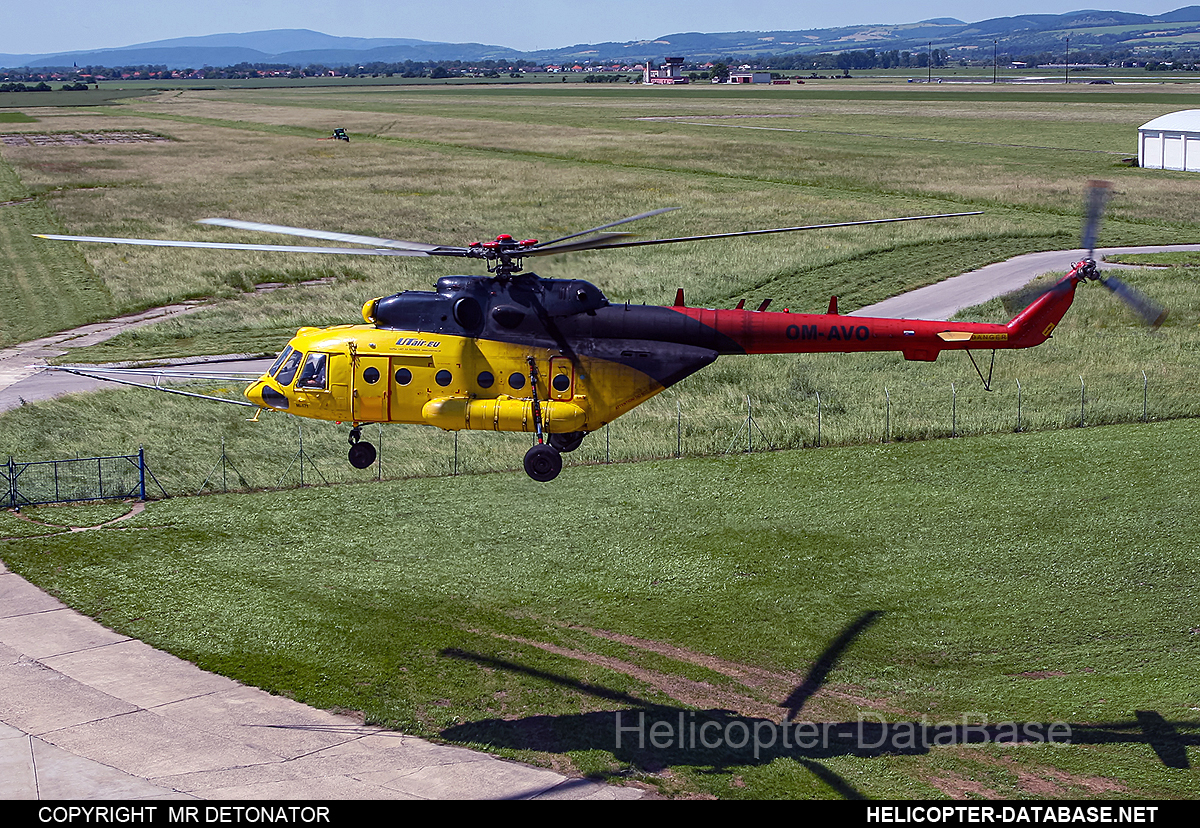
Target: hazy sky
(70,25)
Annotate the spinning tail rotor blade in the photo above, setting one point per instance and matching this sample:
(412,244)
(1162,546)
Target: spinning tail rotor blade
(1097,197)
(1146,309)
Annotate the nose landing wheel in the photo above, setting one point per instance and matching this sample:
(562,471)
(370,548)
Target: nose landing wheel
(362,453)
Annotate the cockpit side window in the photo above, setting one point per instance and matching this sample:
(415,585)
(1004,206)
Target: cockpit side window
(313,375)
(279,360)
(288,371)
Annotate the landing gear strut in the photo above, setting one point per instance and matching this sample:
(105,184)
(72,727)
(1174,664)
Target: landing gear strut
(542,461)
(362,453)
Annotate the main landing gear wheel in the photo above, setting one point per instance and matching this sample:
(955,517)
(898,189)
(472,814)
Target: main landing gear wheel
(543,462)
(567,442)
(362,454)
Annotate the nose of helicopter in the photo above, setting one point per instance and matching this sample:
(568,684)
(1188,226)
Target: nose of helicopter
(255,393)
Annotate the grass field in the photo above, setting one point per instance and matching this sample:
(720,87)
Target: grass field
(1030,578)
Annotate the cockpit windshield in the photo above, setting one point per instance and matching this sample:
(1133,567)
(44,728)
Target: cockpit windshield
(288,371)
(279,360)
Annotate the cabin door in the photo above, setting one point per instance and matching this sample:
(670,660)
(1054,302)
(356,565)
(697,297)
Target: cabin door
(370,386)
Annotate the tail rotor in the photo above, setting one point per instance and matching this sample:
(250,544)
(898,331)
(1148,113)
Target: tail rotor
(1147,310)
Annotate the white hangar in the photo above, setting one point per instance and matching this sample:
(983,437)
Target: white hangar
(1171,142)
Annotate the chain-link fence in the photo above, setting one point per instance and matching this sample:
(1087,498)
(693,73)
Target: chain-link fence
(286,452)
(679,424)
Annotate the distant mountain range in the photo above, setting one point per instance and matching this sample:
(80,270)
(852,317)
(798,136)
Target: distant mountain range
(1026,34)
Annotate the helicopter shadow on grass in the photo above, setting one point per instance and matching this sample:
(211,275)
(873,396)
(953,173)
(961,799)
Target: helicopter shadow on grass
(653,737)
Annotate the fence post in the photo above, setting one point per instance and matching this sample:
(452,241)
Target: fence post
(1145,389)
(887,417)
(379,454)
(1082,392)
(749,427)
(1018,405)
(678,429)
(12,483)
(818,419)
(142,471)
(953,411)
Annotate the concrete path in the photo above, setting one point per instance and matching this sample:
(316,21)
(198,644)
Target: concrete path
(23,360)
(86,713)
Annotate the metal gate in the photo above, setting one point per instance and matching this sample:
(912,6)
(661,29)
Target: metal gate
(64,481)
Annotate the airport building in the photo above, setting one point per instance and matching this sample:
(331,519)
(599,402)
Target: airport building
(670,72)
(1171,142)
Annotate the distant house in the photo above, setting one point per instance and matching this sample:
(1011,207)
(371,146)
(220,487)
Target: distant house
(1171,142)
(749,77)
(670,72)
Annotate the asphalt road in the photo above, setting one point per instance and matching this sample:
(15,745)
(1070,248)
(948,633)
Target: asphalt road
(946,298)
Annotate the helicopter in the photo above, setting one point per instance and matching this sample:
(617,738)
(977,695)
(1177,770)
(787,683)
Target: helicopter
(556,358)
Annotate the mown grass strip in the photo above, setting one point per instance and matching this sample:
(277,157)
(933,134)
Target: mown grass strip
(470,621)
(44,286)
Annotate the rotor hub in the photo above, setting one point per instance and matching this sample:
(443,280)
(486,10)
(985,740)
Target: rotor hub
(503,256)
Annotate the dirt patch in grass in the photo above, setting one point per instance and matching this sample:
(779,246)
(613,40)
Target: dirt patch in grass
(766,689)
(79,139)
(1045,781)
(960,787)
(698,694)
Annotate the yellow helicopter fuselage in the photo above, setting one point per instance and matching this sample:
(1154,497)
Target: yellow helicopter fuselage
(364,374)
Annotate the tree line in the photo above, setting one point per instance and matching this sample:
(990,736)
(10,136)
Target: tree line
(15,80)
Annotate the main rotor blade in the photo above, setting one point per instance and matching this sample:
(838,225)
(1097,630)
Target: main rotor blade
(604,246)
(611,224)
(1097,196)
(1150,312)
(165,390)
(582,244)
(285,248)
(347,238)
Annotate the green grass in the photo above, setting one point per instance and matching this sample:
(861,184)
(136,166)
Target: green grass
(16,118)
(70,98)
(1157,259)
(502,624)
(43,287)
